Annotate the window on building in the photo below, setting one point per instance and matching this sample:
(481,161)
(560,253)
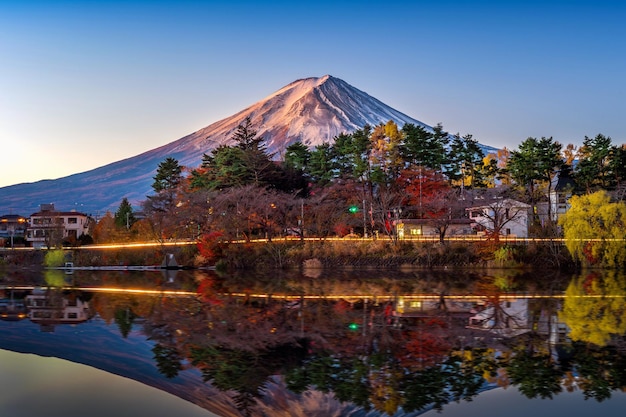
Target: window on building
(72,220)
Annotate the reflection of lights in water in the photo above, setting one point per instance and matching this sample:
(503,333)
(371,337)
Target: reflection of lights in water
(409,298)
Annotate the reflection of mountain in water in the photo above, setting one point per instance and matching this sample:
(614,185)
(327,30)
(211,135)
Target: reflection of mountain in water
(353,347)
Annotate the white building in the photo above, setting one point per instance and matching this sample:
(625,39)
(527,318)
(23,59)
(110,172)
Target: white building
(505,216)
(48,227)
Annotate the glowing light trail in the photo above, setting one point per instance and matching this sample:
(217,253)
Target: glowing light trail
(296,297)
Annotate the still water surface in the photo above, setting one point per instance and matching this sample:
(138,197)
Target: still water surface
(352,343)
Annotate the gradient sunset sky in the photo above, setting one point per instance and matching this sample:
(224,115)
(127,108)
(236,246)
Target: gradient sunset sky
(87,83)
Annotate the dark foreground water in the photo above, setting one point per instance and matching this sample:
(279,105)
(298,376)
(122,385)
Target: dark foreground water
(351,343)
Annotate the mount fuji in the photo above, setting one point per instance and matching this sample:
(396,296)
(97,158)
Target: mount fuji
(311,110)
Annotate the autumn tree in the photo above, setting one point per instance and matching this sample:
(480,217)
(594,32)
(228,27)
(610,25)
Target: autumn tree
(331,214)
(105,230)
(231,212)
(386,157)
(417,184)
(191,212)
(386,150)
(490,171)
(594,230)
(443,208)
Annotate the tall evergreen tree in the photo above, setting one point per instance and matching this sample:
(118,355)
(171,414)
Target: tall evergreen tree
(246,137)
(247,162)
(438,144)
(535,163)
(343,150)
(168,176)
(124,216)
(593,163)
(321,168)
(465,162)
(361,150)
(297,156)
(617,165)
(415,146)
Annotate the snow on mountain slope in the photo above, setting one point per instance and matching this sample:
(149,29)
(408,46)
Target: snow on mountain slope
(311,110)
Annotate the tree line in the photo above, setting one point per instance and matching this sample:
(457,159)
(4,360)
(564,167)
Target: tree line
(363,181)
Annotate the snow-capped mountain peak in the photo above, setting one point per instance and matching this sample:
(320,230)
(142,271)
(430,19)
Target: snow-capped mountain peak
(310,110)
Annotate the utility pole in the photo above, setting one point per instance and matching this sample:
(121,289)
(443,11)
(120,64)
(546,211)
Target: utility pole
(302,219)
(364,221)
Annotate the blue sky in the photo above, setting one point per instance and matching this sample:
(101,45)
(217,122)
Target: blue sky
(86,83)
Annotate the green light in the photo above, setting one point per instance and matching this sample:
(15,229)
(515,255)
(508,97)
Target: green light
(353,326)
(353,209)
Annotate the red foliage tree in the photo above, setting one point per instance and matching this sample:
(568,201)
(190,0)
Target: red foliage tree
(210,246)
(422,186)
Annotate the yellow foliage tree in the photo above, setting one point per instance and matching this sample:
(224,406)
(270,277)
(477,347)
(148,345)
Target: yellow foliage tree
(385,140)
(594,230)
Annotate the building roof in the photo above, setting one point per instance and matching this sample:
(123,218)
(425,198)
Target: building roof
(58,213)
(463,220)
(506,202)
(11,217)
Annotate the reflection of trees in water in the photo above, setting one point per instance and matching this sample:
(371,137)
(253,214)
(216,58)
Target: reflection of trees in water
(600,370)
(240,344)
(536,374)
(243,372)
(168,360)
(595,307)
(124,318)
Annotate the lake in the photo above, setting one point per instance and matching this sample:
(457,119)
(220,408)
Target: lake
(312,343)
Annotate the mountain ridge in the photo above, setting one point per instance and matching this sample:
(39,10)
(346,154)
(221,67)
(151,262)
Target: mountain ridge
(310,110)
